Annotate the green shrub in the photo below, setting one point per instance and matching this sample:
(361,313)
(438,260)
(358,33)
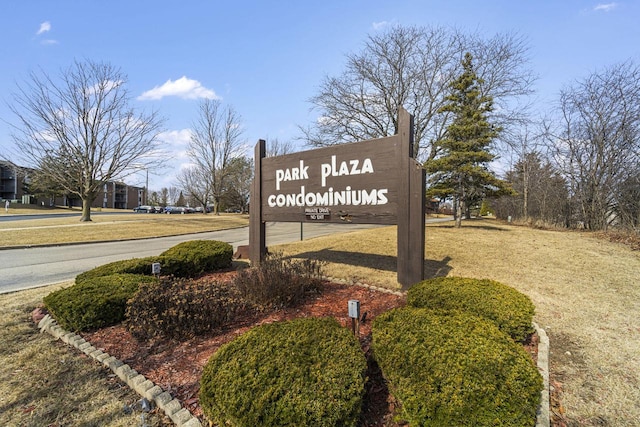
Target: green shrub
(128,266)
(94,303)
(195,257)
(181,308)
(187,259)
(278,282)
(509,309)
(455,369)
(305,372)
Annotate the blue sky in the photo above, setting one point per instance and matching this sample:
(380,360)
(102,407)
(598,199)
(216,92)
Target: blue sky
(266,59)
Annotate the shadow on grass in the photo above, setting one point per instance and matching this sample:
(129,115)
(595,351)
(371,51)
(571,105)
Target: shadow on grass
(472,224)
(432,268)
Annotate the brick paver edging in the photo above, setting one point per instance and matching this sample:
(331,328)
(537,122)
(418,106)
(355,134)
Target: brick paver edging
(144,387)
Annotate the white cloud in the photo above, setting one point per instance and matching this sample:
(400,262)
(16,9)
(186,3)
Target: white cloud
(176,137)
(183,87)
(44,27)
(380,25)
(49,42)
(608,7)
(175,151)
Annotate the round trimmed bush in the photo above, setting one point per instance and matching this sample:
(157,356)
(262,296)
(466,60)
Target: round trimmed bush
(509,309)
(455,369)
(128,266)
(304,372)
(94,303)
(192,258)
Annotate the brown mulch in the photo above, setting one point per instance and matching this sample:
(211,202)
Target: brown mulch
(176,366)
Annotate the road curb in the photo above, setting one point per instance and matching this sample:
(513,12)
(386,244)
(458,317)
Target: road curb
(180,416)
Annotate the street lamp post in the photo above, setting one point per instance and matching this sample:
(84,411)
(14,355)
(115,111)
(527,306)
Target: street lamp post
(146,188)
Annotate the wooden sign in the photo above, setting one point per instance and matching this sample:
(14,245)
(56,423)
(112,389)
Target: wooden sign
(369,182)
(356,183)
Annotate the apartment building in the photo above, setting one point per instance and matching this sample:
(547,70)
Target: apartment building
(11,182)
(116,195)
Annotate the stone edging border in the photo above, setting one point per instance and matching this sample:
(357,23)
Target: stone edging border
(141,385)
(183,418)
(543,416)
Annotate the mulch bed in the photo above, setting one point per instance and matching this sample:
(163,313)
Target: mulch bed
(176,366)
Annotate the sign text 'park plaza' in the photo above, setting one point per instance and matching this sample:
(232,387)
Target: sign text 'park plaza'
(334,167)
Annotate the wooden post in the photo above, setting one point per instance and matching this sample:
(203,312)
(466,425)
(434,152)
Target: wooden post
(257,230)
(411,203)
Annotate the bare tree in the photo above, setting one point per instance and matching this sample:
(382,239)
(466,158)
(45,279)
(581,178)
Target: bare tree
(196,184)
(627,202)
(596,141)
(542,194)
(215,142)
(275,147)
(413,67)
(238,189)
(80,132)
(173,194)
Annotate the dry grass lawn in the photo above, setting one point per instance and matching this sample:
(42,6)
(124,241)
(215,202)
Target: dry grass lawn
(43,382)
(585,290)
(586,293)
(112,227)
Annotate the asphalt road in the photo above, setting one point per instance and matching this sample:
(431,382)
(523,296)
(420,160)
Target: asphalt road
(39,266)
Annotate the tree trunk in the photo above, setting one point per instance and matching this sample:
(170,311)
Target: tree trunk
(459,214)
(86,209)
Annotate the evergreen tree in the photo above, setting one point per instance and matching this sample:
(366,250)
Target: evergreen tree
(181,200)
(461,170)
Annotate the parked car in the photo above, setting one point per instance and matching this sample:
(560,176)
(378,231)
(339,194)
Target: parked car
(178,210)
(144,209)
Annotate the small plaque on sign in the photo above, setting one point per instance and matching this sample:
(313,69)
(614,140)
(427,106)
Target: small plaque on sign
(317,213)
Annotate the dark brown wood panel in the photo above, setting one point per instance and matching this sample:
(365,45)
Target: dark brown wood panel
(356,182)
(257,229)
